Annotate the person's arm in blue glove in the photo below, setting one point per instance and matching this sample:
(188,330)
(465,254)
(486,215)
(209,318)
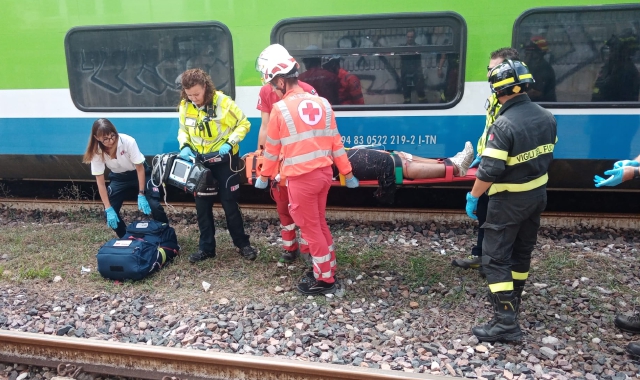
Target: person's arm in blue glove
(476,161)
(187,154)
(143,204)
(616,176)
(351,181)
(261,182)
(472,205)
(112,218)
(623,163)
(224,149)
(479,188)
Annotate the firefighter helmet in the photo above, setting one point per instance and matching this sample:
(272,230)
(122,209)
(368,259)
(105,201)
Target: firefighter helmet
(510,77)
(275,60)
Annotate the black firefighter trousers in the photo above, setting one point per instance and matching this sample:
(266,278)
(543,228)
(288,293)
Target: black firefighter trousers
(229,187)
(510,234)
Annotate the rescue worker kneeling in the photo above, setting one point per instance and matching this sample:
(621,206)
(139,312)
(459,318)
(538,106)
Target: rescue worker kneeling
(513,172)
(302,127)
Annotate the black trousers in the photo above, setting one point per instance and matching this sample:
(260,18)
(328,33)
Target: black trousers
(125,185)
(510,234)
(481,213)
(229,188)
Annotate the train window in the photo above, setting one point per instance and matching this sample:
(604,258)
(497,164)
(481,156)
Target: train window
(360,62)
(582,56)
(137,67)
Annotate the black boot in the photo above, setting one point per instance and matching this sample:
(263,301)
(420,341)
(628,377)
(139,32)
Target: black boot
(633,349)
(504,325)
(629,324)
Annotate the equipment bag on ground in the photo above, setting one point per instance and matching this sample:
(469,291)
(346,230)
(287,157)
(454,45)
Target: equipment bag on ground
(146,248)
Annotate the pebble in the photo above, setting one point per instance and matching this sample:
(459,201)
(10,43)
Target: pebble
(384,322)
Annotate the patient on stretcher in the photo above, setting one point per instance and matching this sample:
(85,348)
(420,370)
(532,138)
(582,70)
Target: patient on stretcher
(373,164)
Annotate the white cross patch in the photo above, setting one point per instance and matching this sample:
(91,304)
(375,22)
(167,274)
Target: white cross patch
(310,112)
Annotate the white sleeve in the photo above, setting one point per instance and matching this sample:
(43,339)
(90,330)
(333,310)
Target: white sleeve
(97,166)
(134,152)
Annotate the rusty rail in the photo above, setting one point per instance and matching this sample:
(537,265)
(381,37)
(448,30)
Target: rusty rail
(150,362)
(358,214)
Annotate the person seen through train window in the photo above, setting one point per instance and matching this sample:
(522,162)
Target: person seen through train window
(128,173)
(325,82)
(492,105)
(544,88)
(350,91)
(292,247)
(211,126)
(514,174)
(303,135)
(618,80)
(411,71)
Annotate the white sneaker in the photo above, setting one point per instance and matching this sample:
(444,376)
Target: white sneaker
(462,160)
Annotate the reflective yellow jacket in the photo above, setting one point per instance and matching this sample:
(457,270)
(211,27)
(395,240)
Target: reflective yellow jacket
(493,107)
(206,130)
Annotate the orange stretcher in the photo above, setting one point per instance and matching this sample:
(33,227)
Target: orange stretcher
(253,167)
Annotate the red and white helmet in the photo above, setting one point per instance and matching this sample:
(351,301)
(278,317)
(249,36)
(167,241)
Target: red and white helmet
(275,60)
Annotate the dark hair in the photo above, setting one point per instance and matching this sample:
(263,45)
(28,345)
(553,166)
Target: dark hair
(100,128)
(193,77)
(505,53)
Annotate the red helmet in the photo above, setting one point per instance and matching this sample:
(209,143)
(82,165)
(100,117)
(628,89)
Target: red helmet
(275,60)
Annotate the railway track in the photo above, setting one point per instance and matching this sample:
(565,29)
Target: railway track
(148,362)
(356,214)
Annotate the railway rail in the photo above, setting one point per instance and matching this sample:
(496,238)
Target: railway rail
(148,362)
(356,214)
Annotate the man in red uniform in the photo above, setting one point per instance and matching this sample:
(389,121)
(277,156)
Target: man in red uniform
(325,82)
(302,132)
(350,91)
(268,97)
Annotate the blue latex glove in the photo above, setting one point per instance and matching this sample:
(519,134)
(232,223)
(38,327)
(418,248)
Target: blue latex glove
(260,184)
(352,182)
(224,149)
(622,163)
(472,205)
(112,218)
(476,162)
(143,204)
(187,154)
(614,180)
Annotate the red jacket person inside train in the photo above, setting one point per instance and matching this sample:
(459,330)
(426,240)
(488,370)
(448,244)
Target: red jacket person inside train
(302,128)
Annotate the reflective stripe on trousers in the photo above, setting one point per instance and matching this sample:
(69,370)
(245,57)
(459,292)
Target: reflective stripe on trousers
(307,203)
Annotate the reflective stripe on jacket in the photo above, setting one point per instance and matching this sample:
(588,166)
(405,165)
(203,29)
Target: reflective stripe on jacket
(493,107)
(302,127)
(226,124)
(520,145)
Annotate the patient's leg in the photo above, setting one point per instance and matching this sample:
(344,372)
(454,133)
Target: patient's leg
(422,168)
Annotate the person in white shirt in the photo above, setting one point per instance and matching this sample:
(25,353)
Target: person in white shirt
(129,173)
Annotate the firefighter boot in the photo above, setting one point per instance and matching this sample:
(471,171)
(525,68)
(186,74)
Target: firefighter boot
(633,349)
(469,262)
(504,325)
(629,324)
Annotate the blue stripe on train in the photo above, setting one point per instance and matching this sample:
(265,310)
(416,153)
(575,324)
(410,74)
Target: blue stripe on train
(580,136)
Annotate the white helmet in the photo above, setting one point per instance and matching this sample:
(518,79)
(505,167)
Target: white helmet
(275,60)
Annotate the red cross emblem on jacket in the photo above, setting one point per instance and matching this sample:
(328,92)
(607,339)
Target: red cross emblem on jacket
(310,112)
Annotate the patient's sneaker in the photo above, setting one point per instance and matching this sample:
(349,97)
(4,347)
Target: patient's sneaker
(462,160)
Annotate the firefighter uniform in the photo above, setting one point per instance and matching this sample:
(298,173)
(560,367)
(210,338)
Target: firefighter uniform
(519,149)
(303,128)
(204,130)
